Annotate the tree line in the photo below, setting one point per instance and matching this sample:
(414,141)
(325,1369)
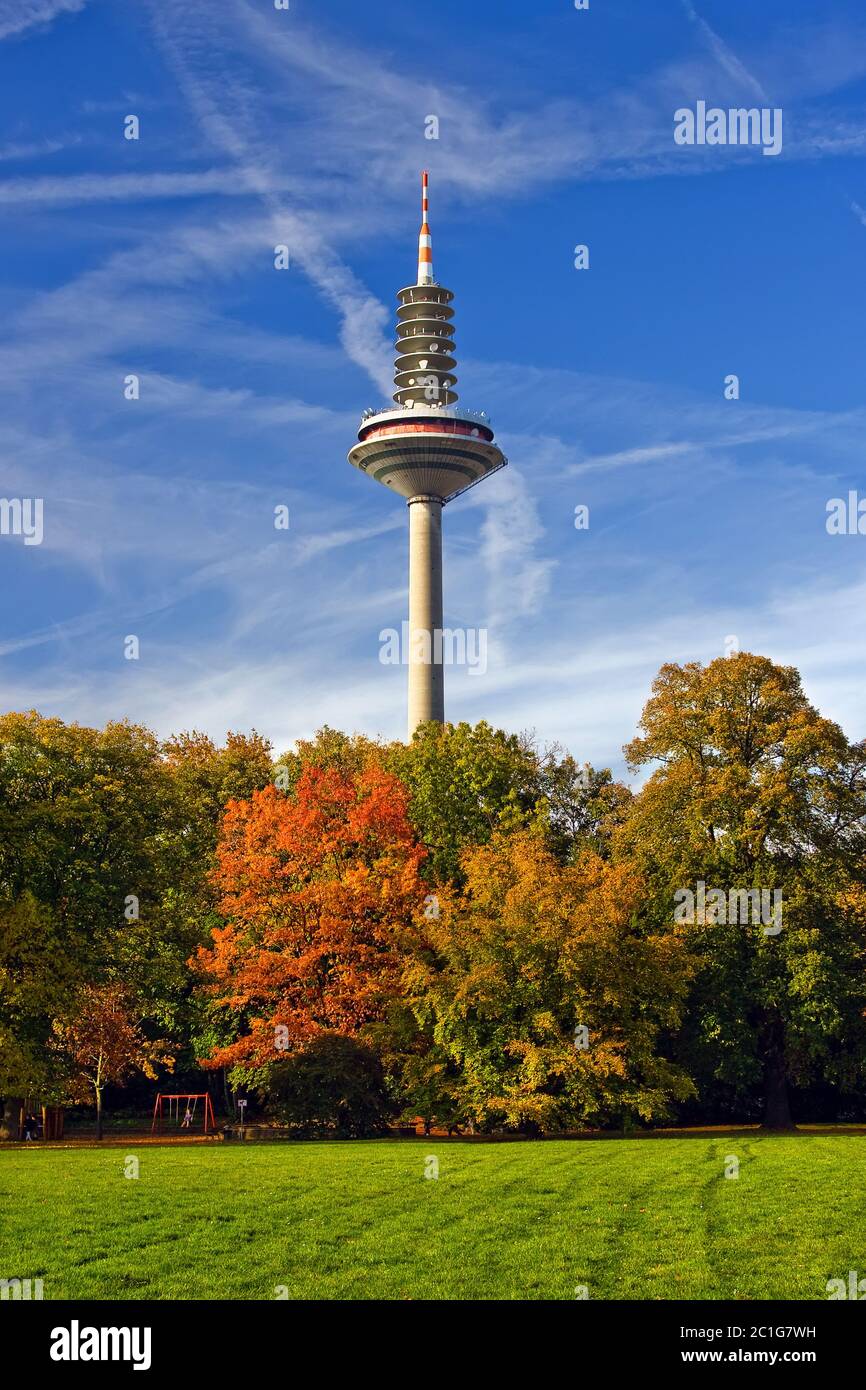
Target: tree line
(468,929)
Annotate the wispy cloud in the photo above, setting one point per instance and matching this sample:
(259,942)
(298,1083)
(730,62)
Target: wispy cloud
(518,578)
(228,117)
(33,149)
(796,424)
(124,188)
(725,56)
(584,688)
(507,154)
(18,15)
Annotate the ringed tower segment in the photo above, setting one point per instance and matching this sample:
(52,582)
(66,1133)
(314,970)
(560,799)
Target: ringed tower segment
(428,450)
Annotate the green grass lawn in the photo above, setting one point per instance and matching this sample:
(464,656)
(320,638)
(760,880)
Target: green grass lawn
(627,1218)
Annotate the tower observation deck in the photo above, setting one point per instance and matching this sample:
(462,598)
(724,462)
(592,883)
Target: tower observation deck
(428,450)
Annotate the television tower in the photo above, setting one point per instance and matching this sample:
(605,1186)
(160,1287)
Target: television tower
(429,452)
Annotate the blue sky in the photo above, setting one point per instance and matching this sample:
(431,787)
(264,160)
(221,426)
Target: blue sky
(606,386)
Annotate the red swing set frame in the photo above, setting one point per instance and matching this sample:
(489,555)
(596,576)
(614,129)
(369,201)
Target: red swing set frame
(173,1098)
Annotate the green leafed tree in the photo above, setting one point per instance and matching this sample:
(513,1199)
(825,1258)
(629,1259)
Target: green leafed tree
(36,979)
(753,790)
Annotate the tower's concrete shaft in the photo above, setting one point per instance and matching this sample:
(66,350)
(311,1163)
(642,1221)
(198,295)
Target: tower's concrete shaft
(426,674)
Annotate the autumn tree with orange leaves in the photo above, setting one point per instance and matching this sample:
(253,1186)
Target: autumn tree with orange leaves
(319,889)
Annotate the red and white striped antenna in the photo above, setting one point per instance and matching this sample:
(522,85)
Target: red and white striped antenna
(425,241)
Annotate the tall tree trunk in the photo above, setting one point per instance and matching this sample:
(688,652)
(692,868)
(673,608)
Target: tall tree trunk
(99,1113)
(777,1107)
